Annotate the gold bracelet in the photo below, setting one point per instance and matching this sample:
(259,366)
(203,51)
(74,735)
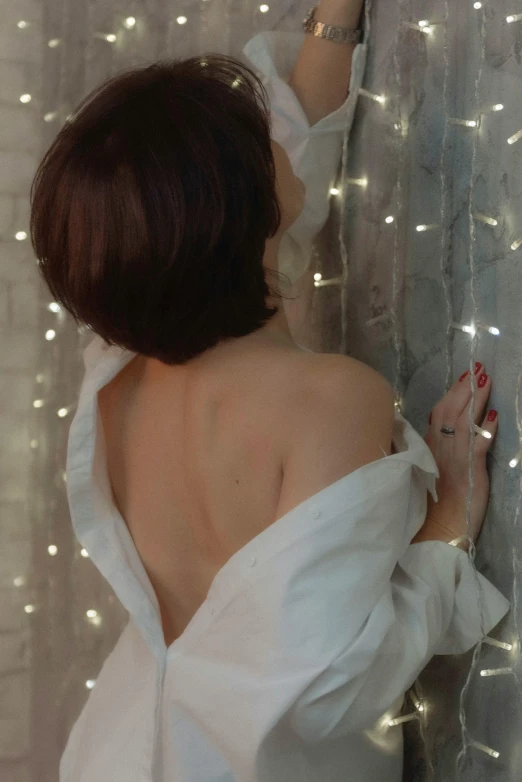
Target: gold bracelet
(329,31)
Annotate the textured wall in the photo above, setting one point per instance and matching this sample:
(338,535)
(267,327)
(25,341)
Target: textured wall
(423,169)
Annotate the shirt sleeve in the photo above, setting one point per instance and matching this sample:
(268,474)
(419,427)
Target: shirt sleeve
(433,605)
(314,151)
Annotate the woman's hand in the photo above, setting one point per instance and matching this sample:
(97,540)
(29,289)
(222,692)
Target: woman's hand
(451,455)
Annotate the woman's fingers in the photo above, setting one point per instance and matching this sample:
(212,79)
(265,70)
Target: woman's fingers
(453,410)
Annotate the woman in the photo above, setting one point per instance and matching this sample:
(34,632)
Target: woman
(229,485)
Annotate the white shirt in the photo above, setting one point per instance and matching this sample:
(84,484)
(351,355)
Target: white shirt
(312,632)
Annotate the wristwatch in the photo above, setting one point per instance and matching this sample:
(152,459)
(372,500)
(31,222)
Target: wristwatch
(321,30)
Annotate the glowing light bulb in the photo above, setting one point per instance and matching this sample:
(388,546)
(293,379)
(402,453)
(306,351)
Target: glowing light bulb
(377,98)
(485,219)
(181,20)
(29,609)
(406,718)
(50,335)
(468,123)
(22,25)
(389,219)
(483,748)
(54,42)
(477,6)
(516,244)
(20,235)
(334,190)
(53,550)
(498,107)
(91,613)
(130,22)
(423,26)
(105,37)
(499,644)
(25,98)
(513,139)
(264,8)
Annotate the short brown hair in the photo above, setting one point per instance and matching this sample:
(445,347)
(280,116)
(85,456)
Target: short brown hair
(151,208)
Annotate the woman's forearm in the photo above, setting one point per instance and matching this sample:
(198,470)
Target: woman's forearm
(321,76)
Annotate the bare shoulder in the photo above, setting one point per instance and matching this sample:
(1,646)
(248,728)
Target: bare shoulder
(332,377)
(349,370)
(351,396)
(344,421)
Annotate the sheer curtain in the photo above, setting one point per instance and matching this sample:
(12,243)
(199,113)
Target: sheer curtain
(430,227)
(419,274)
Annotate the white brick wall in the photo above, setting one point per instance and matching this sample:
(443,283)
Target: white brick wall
(20,148)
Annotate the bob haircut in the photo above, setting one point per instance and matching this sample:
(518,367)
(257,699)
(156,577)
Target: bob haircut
(151,209)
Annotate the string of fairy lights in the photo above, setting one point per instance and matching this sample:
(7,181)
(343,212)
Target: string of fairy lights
(426,28)
(474,123)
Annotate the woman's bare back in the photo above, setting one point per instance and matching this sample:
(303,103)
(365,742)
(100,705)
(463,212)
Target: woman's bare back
(195,456)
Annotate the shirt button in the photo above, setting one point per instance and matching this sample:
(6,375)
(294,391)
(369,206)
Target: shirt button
(316,514)
(252,561)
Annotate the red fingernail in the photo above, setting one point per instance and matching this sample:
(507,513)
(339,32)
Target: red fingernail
(461,378)
(429,419)
(482,381)
(492,415)
(477,367)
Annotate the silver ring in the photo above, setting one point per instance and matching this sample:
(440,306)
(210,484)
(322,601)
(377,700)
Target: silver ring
(448,431)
